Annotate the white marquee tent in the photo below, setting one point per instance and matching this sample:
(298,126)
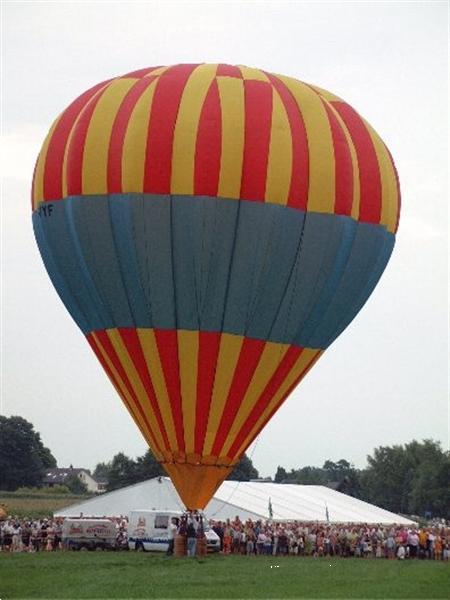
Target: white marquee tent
(247,499)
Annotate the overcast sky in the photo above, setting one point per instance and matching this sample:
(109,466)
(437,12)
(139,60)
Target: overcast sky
(386,379)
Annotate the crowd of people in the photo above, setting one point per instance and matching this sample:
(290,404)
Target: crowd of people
(263,538)
(30,535)
(309,539)
(45,535)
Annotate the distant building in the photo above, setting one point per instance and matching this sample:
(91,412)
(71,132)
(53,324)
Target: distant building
(60,476)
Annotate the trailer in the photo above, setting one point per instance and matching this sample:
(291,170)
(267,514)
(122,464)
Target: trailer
(89,534)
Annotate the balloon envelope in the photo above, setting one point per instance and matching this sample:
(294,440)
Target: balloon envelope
(211,229)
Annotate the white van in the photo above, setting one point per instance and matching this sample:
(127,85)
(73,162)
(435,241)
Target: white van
(147,530)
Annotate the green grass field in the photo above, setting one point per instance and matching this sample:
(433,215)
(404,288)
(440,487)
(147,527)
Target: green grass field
(35,505)
(142,575)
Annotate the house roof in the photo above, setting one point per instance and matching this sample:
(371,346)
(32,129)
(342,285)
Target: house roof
(61,475)
(247,499)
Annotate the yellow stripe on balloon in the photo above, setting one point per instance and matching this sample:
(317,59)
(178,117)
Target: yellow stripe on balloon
(301,366)
(230,347)
(188,342)
(251,73)
(185,136)
(389,200)
(125,394)
(151,354)
(95,155)
(69,139)
(394,198)
(135,380)
(321,192)
(355,168)
(38,187)
(135,143)
(271,357)
(279,169)
(231,92)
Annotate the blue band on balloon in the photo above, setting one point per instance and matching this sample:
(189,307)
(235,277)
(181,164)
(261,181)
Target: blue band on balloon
(213,264)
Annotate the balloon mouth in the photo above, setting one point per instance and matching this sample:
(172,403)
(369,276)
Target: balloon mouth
(197,482)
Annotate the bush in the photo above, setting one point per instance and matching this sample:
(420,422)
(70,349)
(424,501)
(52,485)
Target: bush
(56,489)
(46,491)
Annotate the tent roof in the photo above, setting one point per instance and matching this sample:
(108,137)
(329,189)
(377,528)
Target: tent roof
(247,499)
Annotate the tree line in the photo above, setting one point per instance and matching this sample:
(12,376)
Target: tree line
(412,478)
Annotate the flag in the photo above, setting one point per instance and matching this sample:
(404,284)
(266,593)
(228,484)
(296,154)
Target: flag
(327,514)
(270,509)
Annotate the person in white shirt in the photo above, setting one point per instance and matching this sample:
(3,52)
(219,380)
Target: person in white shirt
(171,531)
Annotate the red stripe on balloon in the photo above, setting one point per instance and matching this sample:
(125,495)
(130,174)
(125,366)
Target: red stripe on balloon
(258,121)
(53,170)
(369,172)
(284,397)
(105,366)
(343,166)
(163,117)
(208,352)
(167,343)
(298,190)
(209,145)
(76,149)
(270,390)
(113,380)
(118,131)
(133,345)
(228,71)
(112,355)
(247,362)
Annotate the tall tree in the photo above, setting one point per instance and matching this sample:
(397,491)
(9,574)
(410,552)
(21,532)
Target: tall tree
(386,482)
(244,470)
(102,470)
(147,467)
(23,456)
(408,479)
(76,486)
(309,476)
(123,472)
(345,474)
(280,475)
(428,462)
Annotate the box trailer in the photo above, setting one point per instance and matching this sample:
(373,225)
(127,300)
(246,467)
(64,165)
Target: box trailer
(89,534)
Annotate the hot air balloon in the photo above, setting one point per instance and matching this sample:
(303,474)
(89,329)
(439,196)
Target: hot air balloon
(211,229)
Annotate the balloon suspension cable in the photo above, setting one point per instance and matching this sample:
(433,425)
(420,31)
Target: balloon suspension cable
(237,483)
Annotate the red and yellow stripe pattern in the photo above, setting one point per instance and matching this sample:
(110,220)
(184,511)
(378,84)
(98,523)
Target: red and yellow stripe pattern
(199,398)
(220,131)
